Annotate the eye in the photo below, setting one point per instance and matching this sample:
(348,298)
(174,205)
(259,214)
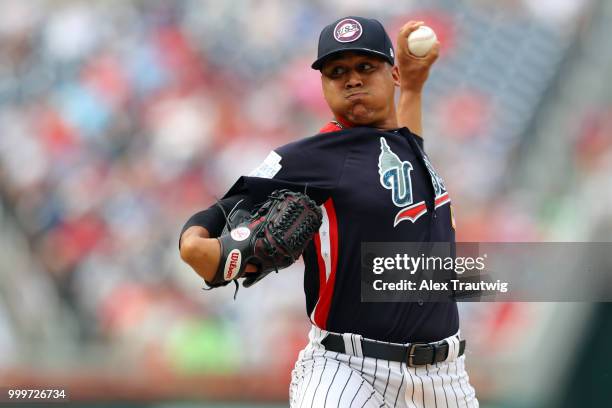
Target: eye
(337,71)
(365,67)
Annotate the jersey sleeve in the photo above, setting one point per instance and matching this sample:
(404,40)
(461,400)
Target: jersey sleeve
(413,137)
(419,140)
(316,161)
(258,189)
(312,166)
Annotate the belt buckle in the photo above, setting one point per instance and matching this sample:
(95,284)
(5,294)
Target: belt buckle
(411,353)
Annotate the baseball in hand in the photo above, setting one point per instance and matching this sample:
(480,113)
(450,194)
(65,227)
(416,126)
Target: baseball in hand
(421,40)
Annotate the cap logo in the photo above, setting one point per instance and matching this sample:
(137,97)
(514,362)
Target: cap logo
(347,30)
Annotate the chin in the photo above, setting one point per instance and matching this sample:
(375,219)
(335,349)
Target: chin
(362,115)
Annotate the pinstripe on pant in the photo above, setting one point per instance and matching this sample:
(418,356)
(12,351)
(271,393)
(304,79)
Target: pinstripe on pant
(328,379)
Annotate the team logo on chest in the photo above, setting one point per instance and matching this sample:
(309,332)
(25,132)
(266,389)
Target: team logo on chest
(395,176)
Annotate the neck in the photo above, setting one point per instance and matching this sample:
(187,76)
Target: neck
(389,123)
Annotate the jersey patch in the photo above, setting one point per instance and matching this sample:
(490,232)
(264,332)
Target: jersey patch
(269,167)
(395,176)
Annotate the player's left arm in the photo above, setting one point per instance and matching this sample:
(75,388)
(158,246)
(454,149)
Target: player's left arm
(413,72)
(198,243)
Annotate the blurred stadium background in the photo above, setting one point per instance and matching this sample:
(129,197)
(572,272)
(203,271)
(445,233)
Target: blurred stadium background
(119,119)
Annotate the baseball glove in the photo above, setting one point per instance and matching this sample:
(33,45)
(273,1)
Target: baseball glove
(271,237)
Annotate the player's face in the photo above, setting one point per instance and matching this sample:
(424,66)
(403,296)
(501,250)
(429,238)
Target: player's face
(360,88)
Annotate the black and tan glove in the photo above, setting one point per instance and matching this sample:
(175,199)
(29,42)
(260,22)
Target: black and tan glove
(272,237)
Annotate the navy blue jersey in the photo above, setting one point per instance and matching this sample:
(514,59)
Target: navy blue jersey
(373,186)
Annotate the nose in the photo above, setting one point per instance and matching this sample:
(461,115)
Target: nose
(354,80)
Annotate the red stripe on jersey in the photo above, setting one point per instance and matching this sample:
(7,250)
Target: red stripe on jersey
(335,126)
(443,199)
(322,278)
(330,127)
(411,213)
(326,288)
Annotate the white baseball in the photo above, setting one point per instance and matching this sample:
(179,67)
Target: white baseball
(421,40)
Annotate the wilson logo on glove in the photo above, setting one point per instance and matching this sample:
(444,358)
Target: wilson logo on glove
(232,264)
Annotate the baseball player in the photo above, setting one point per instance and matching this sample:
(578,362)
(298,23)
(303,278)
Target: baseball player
(369,174)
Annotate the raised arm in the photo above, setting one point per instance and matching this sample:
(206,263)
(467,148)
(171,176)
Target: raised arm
(414,72)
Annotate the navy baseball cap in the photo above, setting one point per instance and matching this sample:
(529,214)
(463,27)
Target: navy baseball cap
(354,34)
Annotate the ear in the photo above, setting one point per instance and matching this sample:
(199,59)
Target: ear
(395,73)
(324,90)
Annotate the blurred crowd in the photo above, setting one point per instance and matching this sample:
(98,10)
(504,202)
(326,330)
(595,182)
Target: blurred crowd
(119,119)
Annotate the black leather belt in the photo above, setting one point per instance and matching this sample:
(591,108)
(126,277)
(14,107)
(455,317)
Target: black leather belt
(415,354)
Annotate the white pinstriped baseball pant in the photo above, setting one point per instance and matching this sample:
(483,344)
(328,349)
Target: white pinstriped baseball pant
(324,379)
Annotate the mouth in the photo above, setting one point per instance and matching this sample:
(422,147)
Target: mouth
(356,95)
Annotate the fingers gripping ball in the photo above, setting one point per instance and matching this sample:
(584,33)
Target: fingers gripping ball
(273,237)
(421,40)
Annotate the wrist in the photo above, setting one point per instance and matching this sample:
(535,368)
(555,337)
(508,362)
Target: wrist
(411,90)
